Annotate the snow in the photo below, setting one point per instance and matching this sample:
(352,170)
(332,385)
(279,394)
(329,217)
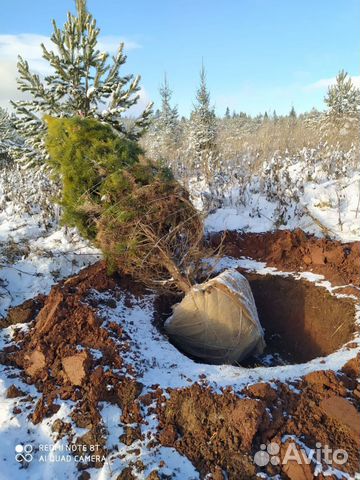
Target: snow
(330,206)
(16,429)
(90,91)
(240,218)
(40,256)
(157,362)
(317,457)
(336,205)
(319,207)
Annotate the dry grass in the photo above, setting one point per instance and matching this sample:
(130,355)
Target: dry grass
(243,140)
(285,136)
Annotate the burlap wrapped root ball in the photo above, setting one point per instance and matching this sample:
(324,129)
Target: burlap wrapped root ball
(217,321)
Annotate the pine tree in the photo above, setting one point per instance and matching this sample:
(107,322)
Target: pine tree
(84,81)
(342,99)
(203,130)
(227,113)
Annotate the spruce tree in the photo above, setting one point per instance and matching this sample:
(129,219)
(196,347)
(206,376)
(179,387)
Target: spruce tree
(292,113)
(5,132)
(227,113)
(168,114)
(168,123)
(8,136)
(164,133)
(203,131)
(84,81)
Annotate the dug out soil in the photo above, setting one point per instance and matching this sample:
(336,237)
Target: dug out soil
(296,251)
(218,431)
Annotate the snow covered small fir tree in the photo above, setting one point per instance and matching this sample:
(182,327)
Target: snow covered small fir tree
(84,81)
(8,135)
(342,99)
(22,190)
(162,141)
(313,119)
(5,132)
(168,115)
(168,120)
(203,131)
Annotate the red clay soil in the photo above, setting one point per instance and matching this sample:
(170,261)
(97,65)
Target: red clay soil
(51,359)
(301,320)
(219,432)
(297,251)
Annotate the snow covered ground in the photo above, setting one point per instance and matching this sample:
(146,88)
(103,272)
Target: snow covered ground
(156,361)
(34,258)
(328,206)
(317,212)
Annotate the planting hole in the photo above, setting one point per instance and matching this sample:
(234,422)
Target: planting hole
(302,321)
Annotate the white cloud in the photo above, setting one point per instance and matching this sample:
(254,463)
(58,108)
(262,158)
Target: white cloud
(28,46)
(143,102)
(110,43)
(327,82)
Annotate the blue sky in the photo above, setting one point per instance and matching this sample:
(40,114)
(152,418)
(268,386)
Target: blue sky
(259,54)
